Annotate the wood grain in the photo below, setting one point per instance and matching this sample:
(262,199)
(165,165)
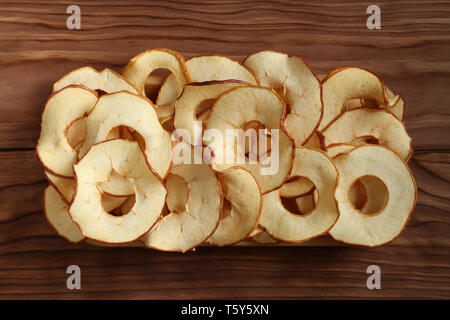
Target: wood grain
(410,53)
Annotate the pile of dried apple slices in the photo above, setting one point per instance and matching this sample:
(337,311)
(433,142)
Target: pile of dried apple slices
(112,155)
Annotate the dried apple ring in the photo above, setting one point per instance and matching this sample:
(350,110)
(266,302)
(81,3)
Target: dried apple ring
(183,231)
(370,122)
(295,81)
(241,208)
(205,68)
(355,227)
(344,84)
(127,109)
(61,109)
(233,111)
(87,211)
(142,65)
(283,225)
(106,80)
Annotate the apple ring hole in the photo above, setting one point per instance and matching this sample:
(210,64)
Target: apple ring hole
(253,145)
(377,195)
(226,208)
(177,193)
(118,206)
(154,82)
(76,132)
(127,133)
(100,92)
(202,109)
(303,204)
(358,195)
(365,140)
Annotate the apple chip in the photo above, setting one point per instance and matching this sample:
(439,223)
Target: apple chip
(57,213)
(142,65)
(61,109)
(190,102)
(344,84)
(373,123)
(355,227)
(205,68)
(235,110)
(295,81)
(183,231)
(282,224)
(87,211)
(127,109)
(106,80)
(241,207)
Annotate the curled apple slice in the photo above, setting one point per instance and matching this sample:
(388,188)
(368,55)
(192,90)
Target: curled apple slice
(57,213)
(231,114)
(127,109)
(205,68)
(106,80)
(61,109)
(355,227)
(87,211)
(142,65)
(241,207)
(295,81)
(282,224)
(189,105)
(373,123)
(183,230)
(344,84)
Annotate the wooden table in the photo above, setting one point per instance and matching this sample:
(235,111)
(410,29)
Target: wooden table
(410,52)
